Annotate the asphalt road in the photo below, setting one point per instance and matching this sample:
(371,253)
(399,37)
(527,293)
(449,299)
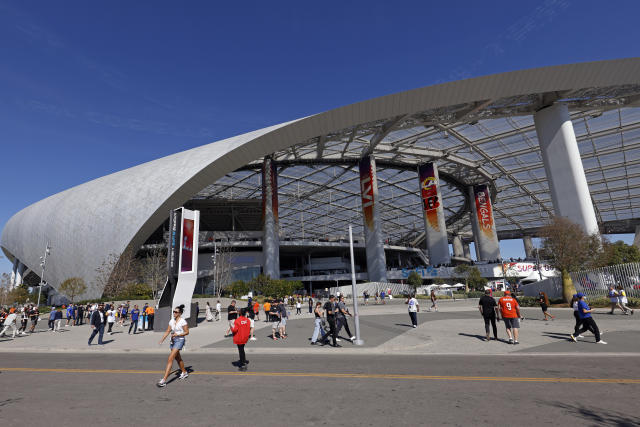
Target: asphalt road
(118,389)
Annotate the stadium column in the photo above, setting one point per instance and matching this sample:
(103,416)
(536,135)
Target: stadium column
(14,272)
(636,239)
(19,273)
(483,224)
(458,248)
(435,228)
(527,241)
(467,250)
(270,237)
(563,165)
(376,261)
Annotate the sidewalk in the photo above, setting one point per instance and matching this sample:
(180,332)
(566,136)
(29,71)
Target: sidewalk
(456,329)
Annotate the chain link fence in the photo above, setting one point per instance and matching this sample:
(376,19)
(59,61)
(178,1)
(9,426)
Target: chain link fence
(596,282)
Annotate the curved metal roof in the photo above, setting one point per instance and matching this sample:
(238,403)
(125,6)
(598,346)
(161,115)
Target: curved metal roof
(478,129)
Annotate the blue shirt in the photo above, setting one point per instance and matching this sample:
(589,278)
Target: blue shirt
(134,314)
(52,315)
(583,306)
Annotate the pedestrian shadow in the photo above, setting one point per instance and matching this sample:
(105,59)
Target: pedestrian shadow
(404,324)
(107,342)
(480,337)
(606,417)
(556,335)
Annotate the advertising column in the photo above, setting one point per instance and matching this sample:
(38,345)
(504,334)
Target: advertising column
(376,261)
(188,255)
(270,238)
(434,223)
(484,228)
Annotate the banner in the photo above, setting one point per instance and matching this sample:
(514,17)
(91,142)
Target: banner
(187,245)
(175,219)
(367,179)
(429,194)
(483,210)
(269,185)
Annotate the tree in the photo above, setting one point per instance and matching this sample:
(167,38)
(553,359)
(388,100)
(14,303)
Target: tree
(117,272)
(463,271)
(620,253)
(72,287)
(475,278)
(414,280)
(153,268)
(569,248)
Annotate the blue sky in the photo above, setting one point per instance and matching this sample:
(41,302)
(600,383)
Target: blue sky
(90,88)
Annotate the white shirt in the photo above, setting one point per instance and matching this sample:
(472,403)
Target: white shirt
(111,316)
(10,319)
(218,307)
(413,305)
(177,328)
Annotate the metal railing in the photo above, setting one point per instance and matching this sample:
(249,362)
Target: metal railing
(596,282)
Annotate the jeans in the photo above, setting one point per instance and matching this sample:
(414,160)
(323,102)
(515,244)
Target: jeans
(98,330)
(492,320)
(50,324)
(110,326)
(342,321)
(134,325)
(58,325)
(317,331)
(588,324)
(332,329)
(414,318)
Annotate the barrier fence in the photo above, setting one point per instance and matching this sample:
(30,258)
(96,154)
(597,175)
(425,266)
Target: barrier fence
(596,282)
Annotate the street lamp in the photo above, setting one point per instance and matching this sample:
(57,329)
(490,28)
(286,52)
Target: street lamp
(43,264)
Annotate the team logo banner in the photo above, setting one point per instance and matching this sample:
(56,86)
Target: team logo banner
(270,184)
(429,194)
(483,210)
(367,179)
(187,245)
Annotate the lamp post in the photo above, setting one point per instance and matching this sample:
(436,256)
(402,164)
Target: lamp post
(43,264)
(354,292)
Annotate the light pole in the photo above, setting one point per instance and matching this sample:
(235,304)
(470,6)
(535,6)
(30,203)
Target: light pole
(354,292)
(43,264)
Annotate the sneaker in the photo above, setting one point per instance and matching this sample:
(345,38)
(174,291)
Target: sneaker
(252,339)
(580,336)
(414,326)
(161,383)
(338,340)
(600,342)
(354,337)
(510,341)
(183,375)
(516,343)
(313,343)
(573,338)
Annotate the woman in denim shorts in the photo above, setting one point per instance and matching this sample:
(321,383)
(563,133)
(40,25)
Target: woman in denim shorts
(178,329)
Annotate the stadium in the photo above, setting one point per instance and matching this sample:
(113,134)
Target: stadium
(425,177)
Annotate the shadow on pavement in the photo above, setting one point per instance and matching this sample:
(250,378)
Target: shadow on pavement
(599,417)
(556,335)
(480,337)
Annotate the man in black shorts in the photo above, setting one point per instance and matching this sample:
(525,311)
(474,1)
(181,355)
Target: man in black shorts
(232,315)
(487,306)
(330,310)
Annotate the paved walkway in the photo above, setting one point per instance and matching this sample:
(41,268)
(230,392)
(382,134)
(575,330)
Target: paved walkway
(456,329)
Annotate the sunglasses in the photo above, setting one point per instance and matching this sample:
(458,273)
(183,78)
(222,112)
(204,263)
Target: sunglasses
(176,312)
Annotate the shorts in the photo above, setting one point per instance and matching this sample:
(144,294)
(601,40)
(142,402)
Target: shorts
(177,343)
(252,323)
(283,322)
(232,323)
(544,307)
(275,325)
(511,322)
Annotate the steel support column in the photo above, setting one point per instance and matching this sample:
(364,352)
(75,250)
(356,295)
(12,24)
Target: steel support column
(483,224)
(376,260)
(435,228)
(270,237)
(467,250)
(458,248)
(563,165)
(527,241)
(14,272)
(636,239)
(19,274)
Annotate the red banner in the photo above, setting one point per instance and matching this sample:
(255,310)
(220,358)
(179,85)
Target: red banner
(187,245)
(483,209)
(366,190)
(429,194)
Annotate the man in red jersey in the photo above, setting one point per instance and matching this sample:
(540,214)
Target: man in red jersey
(510,311)
(240,330)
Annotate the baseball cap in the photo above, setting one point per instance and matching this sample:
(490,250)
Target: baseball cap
(580,295)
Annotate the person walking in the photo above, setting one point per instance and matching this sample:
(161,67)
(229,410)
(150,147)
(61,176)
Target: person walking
(543,300)
(576,315)
(135,314)
(298,307)
(58,320)
(256,310)
(365,296)
(207,313)
(267,310)
(414,308)
(318,313)
(9,322)
(232,315)
(434,300)
(111,319)
(24,319)
(274,316)
(52,319)
(34,314)
(613,299)
(145,320)
(241,330)
(341,318)
(510,311)
(488,309)
(282,327)
(69,315)
(218,311)
(178,329)
(622,300)
(98,319)
(310,304)
(151,313)
(79,315)
(330,311)
(588,324)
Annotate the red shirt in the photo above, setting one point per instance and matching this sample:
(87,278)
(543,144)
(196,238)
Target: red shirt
(508,307)
(240,330)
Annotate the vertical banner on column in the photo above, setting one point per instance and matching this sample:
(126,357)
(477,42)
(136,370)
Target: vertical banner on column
(270,239)
(487,236)
(376,260)
(434,221)
(188,252)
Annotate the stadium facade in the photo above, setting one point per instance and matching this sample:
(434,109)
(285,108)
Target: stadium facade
(476,160)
